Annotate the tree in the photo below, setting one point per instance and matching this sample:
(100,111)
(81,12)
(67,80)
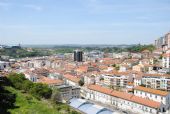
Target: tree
(38,90)
(41,90)
(117,67)
(27,85)
(16,80)
(56,96)
(81,82)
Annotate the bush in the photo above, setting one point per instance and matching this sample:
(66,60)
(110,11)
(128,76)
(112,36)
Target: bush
(38,90)
(81,83)
(16,80)
(56,96)
(41,90)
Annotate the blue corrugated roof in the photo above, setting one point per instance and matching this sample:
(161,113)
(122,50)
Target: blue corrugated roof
(105,112)
(85,107)
(94,109)
(76,102)
(89,108)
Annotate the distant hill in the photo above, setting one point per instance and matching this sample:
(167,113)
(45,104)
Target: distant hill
(77,46)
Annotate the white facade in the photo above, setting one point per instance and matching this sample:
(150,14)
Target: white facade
(155,97)
(89,80)
(166,61)
(68,92)
(69,82)
(3,65)
(117,81)
(161,82)
(31,77)
(137,82)
(121,103)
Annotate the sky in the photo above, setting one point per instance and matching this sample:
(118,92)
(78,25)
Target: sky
(83,21)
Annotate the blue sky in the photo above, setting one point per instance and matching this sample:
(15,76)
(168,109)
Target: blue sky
(83,21)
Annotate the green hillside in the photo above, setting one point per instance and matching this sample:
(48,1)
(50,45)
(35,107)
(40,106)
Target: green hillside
(17,98)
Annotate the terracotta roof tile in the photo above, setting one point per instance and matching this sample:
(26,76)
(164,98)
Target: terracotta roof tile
(149,90)
(125,96)
(72,78)
(49,81)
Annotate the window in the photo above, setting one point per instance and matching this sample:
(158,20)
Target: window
(150,110)
(150,95)
(161,98)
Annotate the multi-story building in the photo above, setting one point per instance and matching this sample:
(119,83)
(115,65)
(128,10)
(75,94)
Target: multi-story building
(156,81)
(163,42)
(89,79)
(123,100)
(166,60)
(152,94)
(117,80)
(78,56)
(71,80)
(68,92)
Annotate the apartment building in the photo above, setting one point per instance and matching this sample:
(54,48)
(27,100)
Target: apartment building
(68,92)
(155,95)
(71,80)
(163,42)
(89,79)
(156,81)
(166,60)
(118,80)
(123,100)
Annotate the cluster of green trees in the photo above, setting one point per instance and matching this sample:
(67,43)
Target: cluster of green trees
(21,52)
(133,48)
(7,99)
(38,90)
(64,50)
(29,90)
(140,48)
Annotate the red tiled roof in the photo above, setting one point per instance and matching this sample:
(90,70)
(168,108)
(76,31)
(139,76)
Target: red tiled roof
(125,96)
(166,55)
(149,90)
(161,75)
(49,81)
(82,69)
(72,78)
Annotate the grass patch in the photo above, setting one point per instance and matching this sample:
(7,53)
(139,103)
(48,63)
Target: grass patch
(27,104)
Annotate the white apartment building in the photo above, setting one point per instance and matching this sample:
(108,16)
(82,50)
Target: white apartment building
(155,95)
(166,60)
(89,79)
(117,80)
(156,81)
(123,100)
